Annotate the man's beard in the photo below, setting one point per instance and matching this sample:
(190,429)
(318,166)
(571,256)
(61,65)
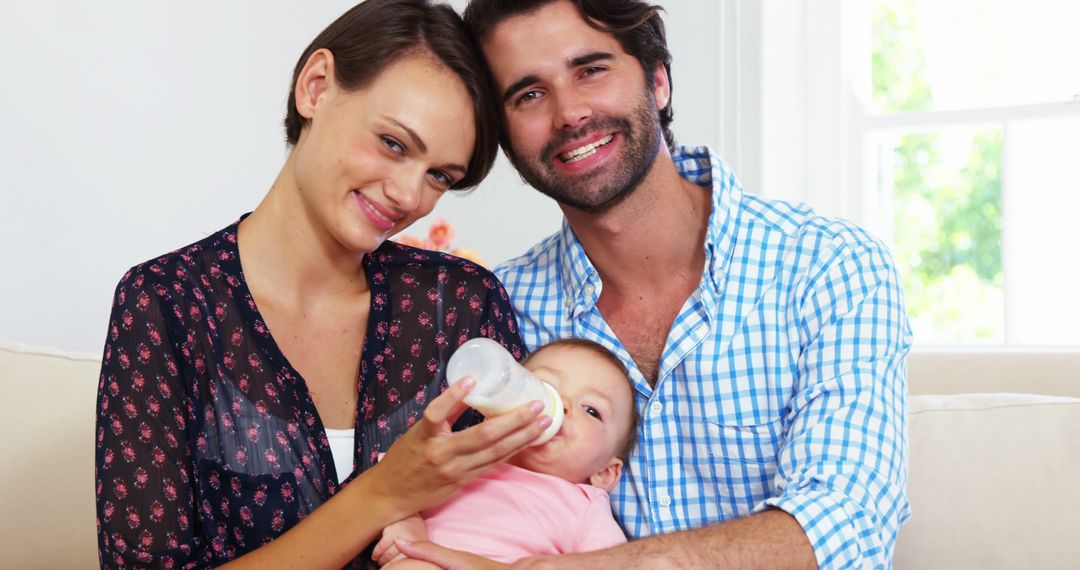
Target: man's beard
(602,188)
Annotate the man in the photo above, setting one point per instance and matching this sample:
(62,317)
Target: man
(767,343)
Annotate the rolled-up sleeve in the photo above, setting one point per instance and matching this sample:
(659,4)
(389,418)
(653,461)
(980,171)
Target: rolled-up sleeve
(842,468)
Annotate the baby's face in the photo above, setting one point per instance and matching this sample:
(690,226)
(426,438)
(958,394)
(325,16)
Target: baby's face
(598,405)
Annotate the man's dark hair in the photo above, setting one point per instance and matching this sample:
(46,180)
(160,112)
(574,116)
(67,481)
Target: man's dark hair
(374,34)
(635,24)
(630,438)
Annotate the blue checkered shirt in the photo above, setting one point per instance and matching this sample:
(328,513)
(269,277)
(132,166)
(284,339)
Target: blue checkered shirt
(781,383)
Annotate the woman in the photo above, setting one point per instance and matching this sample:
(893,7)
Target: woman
(234,366)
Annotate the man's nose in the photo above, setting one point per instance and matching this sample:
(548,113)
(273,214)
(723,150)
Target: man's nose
(571,110)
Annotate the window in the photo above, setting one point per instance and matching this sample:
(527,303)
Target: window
(951,130)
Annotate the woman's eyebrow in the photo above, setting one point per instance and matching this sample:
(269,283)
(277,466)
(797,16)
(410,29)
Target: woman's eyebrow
(419,142)
(416,140)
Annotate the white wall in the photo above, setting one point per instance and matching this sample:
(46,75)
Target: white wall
(137,127)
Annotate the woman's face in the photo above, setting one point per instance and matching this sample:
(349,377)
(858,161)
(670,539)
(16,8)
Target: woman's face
(372,162)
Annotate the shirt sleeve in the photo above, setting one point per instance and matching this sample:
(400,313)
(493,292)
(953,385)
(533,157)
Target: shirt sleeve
(598,528)
(144,474)
(843,467)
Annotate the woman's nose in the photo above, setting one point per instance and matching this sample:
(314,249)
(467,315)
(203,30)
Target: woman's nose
(404,191)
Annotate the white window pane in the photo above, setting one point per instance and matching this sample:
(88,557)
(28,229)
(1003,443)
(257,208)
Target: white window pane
(944,190)
(940,55)
(1042,186)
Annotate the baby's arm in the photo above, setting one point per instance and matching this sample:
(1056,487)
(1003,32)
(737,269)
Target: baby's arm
(411,528)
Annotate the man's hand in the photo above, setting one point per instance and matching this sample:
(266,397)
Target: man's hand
(411,529)
(456,560)
(771,539)
(446,558)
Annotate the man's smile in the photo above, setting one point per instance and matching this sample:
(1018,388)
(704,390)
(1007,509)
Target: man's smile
(584,151)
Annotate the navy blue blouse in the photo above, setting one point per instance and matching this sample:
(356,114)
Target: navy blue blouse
(208,442)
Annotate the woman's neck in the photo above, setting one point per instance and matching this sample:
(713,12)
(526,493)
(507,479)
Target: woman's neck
(290,256)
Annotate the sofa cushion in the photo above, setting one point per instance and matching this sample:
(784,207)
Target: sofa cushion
(994,482)
(47,479)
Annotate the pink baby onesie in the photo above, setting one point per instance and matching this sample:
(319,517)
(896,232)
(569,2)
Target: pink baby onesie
(510,513)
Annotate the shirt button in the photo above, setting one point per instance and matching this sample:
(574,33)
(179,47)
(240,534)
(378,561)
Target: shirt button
(589,289)
(656,408)
(665,501)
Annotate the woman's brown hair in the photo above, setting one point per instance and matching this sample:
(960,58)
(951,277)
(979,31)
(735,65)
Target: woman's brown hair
(376,33)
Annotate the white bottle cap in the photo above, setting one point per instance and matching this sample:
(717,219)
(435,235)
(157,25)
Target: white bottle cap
(553,408)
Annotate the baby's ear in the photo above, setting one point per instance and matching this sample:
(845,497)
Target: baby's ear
(608,476)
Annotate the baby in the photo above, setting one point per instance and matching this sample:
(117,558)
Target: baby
(550,498)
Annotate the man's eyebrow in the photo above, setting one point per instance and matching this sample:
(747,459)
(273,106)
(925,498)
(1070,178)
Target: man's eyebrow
(572,63)
(419,142)
(518,86)
(590,58)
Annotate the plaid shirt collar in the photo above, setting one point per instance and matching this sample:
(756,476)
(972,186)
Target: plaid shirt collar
(578,278)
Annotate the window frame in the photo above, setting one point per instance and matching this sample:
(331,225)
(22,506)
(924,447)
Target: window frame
(814,126)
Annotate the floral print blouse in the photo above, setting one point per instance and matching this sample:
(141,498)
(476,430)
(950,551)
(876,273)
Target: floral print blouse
(208,442)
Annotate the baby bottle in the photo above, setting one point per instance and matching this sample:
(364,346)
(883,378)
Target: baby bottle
(501,383)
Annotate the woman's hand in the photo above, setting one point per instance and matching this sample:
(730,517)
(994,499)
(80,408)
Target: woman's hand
(430,462)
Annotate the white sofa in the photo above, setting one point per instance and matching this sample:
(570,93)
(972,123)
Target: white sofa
(994,482)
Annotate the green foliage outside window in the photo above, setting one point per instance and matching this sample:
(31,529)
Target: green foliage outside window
(947,227)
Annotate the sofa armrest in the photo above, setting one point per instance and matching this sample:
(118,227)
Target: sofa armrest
(47,456)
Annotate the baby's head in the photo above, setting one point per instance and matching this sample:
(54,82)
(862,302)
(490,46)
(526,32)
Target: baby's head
(600,424)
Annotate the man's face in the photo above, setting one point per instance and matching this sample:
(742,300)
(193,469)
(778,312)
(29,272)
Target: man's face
(581,116)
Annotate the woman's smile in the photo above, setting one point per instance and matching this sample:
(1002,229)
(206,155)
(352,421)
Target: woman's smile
(381,217)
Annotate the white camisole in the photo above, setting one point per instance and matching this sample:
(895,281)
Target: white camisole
(342,444)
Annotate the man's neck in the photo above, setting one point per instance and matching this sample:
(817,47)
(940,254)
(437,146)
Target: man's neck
(657,234)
